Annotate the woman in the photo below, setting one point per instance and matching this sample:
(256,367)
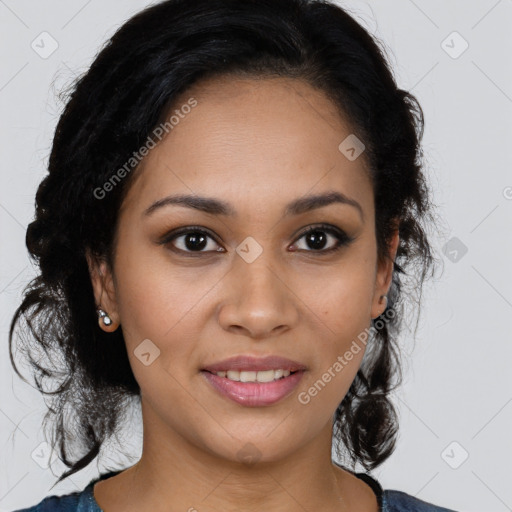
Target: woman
(235,193)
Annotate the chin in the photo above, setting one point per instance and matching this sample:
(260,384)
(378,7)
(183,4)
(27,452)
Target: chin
(252,447)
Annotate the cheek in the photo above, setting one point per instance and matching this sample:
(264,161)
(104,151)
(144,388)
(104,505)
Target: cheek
(340,299)
(156,296)
(341,307)
(165,305)
(322,393)
(344,347)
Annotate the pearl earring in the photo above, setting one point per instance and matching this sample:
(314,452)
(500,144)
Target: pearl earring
(103,317)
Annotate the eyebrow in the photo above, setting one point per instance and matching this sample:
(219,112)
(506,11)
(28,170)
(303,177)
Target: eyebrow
(218,207)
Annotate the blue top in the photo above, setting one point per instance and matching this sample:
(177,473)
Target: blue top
(389,501)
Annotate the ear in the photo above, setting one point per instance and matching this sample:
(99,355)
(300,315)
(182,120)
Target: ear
(384,275)
(103,286)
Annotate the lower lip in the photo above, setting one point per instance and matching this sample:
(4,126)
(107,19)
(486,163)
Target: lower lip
(254,394)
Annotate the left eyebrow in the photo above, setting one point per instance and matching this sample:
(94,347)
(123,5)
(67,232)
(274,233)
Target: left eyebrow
(218,207)
(312,202)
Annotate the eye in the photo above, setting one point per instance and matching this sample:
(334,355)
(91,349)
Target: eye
(194,239)
(191,240)
(317,237)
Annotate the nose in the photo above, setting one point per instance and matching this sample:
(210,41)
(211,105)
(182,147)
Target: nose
(258,302)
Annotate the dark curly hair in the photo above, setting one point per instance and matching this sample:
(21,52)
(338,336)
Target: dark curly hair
(112,109)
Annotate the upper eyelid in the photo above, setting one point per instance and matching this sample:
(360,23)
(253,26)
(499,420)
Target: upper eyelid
(333,230)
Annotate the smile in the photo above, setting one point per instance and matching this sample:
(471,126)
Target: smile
(254,389)
(247,376)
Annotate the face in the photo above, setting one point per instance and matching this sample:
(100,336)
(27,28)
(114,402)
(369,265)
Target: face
(192,286)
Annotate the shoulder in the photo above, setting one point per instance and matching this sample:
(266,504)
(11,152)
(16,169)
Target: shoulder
(72,502)
(398,501)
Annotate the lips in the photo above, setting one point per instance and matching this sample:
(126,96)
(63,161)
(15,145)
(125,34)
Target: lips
(255,364)
(254,394)
(246,379)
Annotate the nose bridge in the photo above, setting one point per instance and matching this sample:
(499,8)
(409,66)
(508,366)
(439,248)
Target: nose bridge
(259,301)
(256,270)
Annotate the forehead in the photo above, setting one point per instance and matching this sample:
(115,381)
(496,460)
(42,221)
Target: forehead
(252,141)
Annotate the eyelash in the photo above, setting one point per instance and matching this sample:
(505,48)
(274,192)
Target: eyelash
(342,238)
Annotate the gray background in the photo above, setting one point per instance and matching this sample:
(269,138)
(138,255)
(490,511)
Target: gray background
(456,398)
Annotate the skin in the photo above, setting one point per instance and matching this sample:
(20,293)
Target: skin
(257,144)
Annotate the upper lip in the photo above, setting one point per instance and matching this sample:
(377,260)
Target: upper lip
(251,363)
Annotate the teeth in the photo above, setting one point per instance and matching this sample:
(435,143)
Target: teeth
(266,376)
(262,376)
(233,375)
(280,373)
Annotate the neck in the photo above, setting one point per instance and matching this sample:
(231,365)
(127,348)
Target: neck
(174,474)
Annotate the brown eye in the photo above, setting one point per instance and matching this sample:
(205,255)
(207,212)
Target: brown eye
(191,240)
(318,237)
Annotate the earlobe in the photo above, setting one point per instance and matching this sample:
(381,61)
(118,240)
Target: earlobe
(384,277)
(104,292)
(382,304)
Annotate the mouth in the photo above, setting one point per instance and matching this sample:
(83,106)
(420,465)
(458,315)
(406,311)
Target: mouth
(246,363)
(255,376)
(254,382)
